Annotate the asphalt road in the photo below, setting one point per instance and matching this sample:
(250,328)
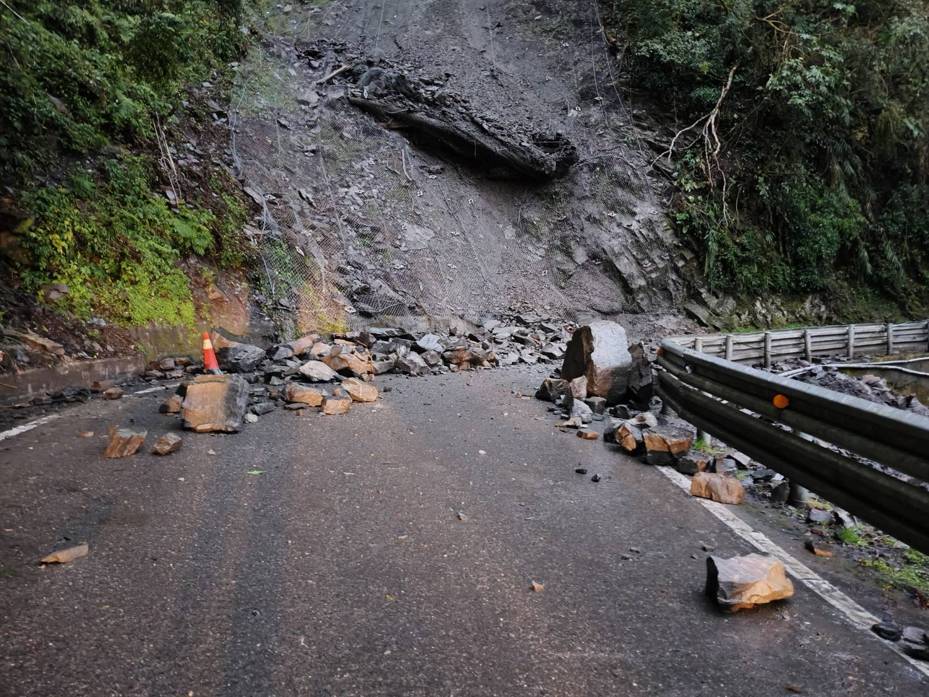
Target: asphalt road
(344,568)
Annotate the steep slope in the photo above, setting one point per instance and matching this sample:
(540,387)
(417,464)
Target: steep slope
(356,211)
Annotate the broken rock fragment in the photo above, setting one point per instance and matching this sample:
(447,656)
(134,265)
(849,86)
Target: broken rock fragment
(124,442)
(915,642)
(112,393)
(172,405)
(599,352)
(167,444)
(629,437)
(717,487)
(215,403)
(317,371)
(664,444)
(741,583)
(360,391)
(66,556)
(303,395)
(411,364)
(337,405)
(240,358)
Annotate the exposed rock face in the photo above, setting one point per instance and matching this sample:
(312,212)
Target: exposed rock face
(599,352)
(240,358)
(717,487)
(360,391)
(215,403)
(124,442)
(303,395)
(741,583)
(167,444)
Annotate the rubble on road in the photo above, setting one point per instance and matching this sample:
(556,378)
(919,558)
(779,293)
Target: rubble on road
(66,556)
(915,642)
(741,583)
(167,444)
(310,396)
(360,391)
(124,442)
(600,352)
(215,403)
(336,404)
(717,487)
(171,405)
(112,393)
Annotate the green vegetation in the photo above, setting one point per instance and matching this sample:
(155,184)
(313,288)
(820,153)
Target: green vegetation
(87,85)
(806,167)
(911,573)
(850,536)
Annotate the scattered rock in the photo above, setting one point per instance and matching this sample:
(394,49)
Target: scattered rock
(412,364)
(915,642)
(629,437)
(360,391)
(430,342)
(717,487)
(310,396)
(261,408)
(581,413)
(349,363)
(692,462)
(588,435)
(124,442)
(240,358)
(646,419)
(597,404)
(113,393)
(215,403)
(741,583)
(337,405)
(317,371)
(818,549)
(780,492)
(818,516)
(172,405)
(66,556)
(536,587)
(86,434)
(641,380)
(888,631)
(595,478)
(553,389)
(599,352)
(167,444)
(578,387)
(663,445)
(581,470)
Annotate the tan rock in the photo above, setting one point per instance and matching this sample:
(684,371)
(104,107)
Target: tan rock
(66,556)
(112,393)
(741,583)
(303,395)
(124,442)
(336,405)
(717,487)
(215,403)
(588,435)
(349,363)
(320,349)
(172,405)
(578,388)
(551,389)
(360,391)
(167,444)
(629,438)
(664,444)
(299,346)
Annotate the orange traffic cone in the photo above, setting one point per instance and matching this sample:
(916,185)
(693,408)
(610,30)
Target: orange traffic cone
(210,364)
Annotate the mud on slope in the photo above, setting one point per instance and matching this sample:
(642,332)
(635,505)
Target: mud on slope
(360,221)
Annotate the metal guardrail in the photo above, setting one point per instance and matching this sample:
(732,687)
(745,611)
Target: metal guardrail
(871,459)
(850,340)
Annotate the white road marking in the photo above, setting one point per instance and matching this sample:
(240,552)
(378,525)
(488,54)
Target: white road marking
(157,388)
(854,613)
(27,426)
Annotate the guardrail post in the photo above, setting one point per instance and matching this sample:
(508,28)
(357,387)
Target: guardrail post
(851,341)
(698,344)
(767,349)
(807,345)
(890,339)
(729,347)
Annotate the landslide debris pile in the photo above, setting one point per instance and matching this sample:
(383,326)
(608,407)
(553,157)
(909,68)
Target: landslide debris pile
(435,118)
(870,387)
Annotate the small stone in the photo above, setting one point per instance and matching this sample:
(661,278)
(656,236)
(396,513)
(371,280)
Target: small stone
(581,413)
(819,550)
(262,408)
(251,418)
(888,631)
(536,587)
(717,487)
(67,555)
(588,435)
(113,393)
(551,389)
(745,582)
(86,434)
(172,405)
(167,444)
(780,492)
(336,405)
(581,470)
(818,516)
(360,391)
(915,642)
(124,442)
(691,463)
(595,478)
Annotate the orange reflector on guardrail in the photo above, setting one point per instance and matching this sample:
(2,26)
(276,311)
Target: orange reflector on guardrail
(780,401)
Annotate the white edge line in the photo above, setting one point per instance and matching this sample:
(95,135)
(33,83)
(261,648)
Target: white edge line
(27,426)
(854,613)
(157,388)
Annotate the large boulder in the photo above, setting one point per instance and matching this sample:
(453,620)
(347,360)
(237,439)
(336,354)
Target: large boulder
(600,352)
(215,403)
(240,358)
(741,583)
